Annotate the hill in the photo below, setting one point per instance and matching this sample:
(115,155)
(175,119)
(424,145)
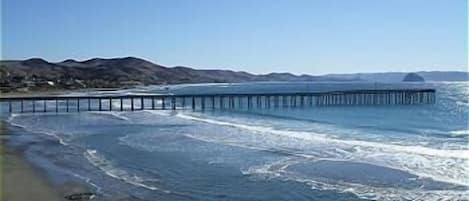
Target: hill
(39,74)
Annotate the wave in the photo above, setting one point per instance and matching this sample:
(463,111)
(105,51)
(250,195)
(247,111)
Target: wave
(317,137)
(258,147)
(279,169)
(115,114)
(54,134)
(448,165)
(387,193)
(88,181)
(106,166)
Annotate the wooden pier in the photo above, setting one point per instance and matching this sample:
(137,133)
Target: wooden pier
(33,104)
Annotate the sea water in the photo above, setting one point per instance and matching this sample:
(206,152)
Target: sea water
(392,152)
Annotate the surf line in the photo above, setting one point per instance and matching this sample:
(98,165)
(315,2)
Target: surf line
(460,154)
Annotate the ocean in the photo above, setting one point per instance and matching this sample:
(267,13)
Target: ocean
(381,152)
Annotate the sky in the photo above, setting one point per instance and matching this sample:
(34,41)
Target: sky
(258,36)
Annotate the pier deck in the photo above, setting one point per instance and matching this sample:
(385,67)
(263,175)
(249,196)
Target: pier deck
(21,104)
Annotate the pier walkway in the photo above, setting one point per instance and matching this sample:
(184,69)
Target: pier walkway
(33,104)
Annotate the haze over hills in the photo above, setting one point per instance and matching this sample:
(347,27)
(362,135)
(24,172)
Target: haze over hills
(38,74)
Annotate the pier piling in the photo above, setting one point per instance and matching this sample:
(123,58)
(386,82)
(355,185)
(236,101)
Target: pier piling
(142,103)
(213,102)
(233,101)
(193,103)
(202,102)
(183,104)
(173,103)
(45,106)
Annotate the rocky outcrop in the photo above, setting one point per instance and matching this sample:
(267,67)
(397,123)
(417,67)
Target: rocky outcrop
(413,77)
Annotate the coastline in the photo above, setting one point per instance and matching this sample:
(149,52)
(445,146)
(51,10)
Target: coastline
(21,181)
(55,92)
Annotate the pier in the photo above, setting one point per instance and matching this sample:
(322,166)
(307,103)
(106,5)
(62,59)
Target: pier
(34,104)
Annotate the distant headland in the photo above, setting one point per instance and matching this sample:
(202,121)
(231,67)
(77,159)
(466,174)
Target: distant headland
(39,75)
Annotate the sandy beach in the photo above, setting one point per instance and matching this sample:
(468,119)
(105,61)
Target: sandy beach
(21,181)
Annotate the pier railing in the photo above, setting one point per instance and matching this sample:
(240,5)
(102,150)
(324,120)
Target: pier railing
(216,101)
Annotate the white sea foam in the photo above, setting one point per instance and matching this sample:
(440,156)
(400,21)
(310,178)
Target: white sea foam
(462,103)
(459,133)
(109,169)
(442,165)
(160,112)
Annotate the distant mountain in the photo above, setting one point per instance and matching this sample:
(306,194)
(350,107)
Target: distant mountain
(399,76)
(37,74)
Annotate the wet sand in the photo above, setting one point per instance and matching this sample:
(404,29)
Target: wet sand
(21,181)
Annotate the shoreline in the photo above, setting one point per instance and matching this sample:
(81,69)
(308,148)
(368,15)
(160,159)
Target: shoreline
(22,181)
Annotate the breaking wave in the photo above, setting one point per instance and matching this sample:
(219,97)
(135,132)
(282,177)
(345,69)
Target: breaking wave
(109,169)
(459,133)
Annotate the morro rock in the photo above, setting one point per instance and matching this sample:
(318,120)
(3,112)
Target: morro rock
(413,77)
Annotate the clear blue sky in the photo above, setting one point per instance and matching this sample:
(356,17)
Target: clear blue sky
(299,36)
